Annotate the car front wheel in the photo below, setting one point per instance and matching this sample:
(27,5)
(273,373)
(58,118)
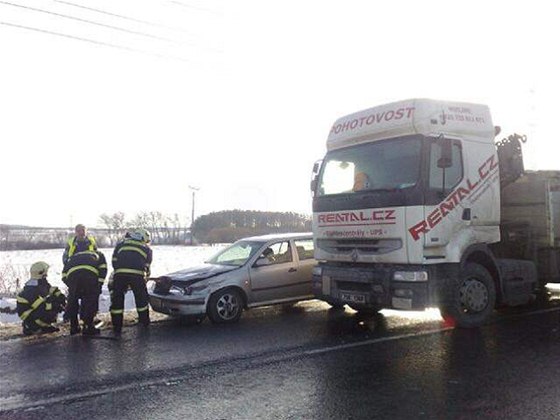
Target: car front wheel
(225,306)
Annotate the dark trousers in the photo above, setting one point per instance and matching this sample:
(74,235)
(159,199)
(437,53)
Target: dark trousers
(121,283)
(39,323)
(83,298)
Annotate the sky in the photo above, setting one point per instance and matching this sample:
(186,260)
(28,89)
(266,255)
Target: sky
(120,105)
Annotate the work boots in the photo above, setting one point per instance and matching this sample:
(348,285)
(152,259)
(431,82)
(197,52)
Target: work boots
(74,327)
(144,318)
(91,330)
(50,329)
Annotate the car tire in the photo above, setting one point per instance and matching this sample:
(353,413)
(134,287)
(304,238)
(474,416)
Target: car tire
(225,306)
(472,298)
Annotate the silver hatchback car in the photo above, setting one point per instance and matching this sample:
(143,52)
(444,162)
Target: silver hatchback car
(256,271)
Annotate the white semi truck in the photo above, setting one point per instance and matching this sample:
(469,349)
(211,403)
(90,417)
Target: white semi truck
(415,205)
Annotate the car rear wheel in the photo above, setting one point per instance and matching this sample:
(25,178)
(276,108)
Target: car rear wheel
(225,306)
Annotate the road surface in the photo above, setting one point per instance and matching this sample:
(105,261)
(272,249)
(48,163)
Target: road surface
(305,362)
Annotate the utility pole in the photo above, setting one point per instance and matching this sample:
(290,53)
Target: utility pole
(194,190)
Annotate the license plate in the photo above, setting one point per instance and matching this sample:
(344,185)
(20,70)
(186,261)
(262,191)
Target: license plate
(352,297)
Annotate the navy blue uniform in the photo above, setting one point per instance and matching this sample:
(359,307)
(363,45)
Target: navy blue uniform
(84,273)
(131,264)
(38,304)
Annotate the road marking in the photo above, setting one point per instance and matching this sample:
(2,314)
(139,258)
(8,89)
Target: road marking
(374,341)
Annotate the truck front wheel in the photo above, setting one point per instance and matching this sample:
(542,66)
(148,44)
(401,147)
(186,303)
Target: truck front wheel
(471,299)
(365,310)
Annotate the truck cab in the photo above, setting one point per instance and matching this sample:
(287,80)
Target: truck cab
(406,203)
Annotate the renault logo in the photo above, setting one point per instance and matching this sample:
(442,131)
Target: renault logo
(354,255)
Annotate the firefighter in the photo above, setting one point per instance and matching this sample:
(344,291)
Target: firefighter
(131,264)
(39,302)
(84,274)
(78,243)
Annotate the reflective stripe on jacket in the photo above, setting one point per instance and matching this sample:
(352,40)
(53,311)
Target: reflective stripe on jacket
(132,257)
(86,263)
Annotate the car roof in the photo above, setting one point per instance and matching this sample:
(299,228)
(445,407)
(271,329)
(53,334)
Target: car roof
(278,236)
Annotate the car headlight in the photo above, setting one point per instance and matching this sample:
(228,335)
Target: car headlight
(175,290)
(317,271)
(189,290)
(410,276)
(150,285)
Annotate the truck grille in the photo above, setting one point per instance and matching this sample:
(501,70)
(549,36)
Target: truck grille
(353,287)
(362,246)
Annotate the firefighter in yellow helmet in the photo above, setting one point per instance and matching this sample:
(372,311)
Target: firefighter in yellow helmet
(131,264)
(39,303)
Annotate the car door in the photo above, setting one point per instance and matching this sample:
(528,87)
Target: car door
(276,278)
(304,252)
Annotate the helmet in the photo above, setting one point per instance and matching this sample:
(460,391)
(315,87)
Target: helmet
(39,270)
(140,235)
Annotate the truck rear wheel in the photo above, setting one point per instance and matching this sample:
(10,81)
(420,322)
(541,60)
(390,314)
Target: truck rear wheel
(471,299)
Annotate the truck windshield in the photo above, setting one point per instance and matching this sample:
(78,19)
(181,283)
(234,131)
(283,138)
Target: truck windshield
(378,166)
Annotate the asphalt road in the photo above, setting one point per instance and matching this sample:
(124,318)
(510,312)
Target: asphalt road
(306,362)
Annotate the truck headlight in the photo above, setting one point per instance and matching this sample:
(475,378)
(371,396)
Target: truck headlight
(410,276)
(317,271)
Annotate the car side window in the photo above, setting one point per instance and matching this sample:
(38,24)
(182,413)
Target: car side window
(304,248)
(278,253)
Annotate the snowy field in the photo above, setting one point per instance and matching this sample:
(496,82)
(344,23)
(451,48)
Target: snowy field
(16,264)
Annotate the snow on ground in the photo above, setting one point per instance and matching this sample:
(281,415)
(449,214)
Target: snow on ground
(16,264)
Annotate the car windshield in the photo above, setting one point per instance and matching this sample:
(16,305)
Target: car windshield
(236,254)
(383,165)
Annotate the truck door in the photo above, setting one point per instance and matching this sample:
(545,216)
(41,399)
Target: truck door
(444,212)
(304,252)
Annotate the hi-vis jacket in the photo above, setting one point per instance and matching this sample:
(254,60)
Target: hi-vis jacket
(74,245)
(38,302)
(132,257)
(85,263)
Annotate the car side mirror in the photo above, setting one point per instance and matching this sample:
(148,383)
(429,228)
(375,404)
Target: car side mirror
(262,261)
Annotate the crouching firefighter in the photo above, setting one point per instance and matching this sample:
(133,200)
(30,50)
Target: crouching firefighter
(131,264)
(84,274)
(39,303)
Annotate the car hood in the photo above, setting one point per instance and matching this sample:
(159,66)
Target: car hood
(198,273)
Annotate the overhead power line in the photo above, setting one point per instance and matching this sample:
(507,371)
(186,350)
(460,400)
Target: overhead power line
(189,6)
(86,21)
(92,41)
(122,16)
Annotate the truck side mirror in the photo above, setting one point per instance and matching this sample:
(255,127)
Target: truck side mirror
(314,175)
(446,157)
(313,185)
